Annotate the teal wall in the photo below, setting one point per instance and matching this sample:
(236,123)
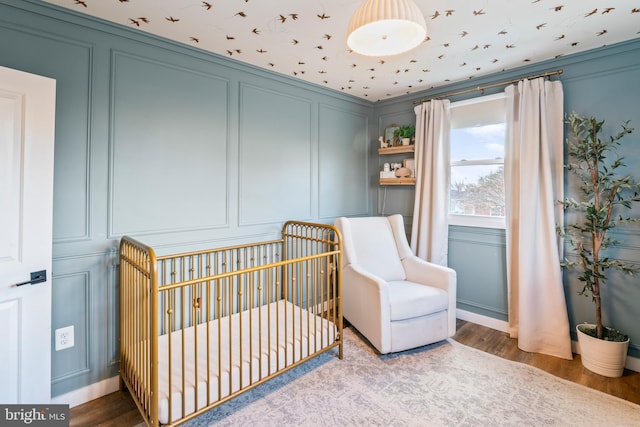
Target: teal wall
(601,82)
(185,149)
(180,148)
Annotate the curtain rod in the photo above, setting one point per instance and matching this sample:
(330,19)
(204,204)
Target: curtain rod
(480,88)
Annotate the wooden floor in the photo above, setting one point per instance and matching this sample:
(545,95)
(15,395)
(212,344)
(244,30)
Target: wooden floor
(498,343)
(118,410)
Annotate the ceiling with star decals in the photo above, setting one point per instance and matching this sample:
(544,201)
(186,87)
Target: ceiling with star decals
(307,39)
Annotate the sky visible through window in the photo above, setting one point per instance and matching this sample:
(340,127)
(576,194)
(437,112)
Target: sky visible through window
(476,143)
(477,140)
(480,142)
(480,146)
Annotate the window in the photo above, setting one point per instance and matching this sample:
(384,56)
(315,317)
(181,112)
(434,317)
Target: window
(477,162)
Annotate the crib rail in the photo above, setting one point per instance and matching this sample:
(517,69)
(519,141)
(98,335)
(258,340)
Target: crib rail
(138,335)
(190,317)
(302,239)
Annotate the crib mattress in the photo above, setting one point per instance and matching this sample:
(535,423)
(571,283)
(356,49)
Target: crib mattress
(272,337)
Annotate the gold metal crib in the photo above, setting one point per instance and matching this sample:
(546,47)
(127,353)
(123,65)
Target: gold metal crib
(199,328)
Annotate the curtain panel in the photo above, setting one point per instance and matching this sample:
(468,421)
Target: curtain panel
(533,185)
(430,228)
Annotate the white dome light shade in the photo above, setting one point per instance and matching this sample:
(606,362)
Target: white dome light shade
(386,27)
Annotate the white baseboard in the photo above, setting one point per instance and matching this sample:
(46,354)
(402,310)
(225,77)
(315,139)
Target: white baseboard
(633,364)
(88,393)
(502,326)
(478,319)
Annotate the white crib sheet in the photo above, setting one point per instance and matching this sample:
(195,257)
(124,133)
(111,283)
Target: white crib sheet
(264,351)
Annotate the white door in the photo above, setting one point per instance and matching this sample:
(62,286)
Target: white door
(27,111)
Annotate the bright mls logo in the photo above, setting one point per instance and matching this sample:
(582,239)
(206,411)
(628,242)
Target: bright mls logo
(34,415)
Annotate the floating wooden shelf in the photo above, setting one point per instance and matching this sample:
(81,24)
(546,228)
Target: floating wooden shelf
(397,181)
(397,150)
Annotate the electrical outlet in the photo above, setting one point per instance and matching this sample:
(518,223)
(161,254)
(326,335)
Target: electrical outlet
(64,338)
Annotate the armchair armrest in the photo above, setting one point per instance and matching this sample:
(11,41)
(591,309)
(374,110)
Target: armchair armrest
(366,305)
(426,273)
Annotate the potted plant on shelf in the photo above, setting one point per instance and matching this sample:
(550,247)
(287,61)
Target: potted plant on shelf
(604,193)
(405,133)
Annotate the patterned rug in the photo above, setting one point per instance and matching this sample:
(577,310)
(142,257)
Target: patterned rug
(445,384)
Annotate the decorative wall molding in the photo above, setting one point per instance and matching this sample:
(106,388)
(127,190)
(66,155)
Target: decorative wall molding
(160,158)
(80,338)
(113,321)
(81,230)
(339,127)
(274,158)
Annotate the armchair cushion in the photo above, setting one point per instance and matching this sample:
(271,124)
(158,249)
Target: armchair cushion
(408,300)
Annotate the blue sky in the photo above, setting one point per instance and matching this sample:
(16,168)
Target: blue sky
(476,143)
(480,142)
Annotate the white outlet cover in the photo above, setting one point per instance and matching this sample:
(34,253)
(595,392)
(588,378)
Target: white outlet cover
(64,338)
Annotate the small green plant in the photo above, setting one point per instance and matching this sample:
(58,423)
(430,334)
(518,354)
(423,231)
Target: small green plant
(603,194)
(406,131)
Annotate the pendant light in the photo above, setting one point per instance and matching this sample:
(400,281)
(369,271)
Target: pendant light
(386,27)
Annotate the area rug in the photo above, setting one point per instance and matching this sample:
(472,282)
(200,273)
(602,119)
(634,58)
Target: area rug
(446,384)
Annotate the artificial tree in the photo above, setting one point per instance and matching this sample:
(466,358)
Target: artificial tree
(603,194)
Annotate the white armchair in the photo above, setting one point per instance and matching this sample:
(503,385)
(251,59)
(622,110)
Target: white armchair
(395,299)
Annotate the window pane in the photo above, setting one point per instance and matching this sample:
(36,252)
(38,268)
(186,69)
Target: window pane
(477,143)
(485,110)
(477,190)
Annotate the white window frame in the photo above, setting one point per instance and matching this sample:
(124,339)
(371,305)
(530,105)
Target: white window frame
(480,221)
